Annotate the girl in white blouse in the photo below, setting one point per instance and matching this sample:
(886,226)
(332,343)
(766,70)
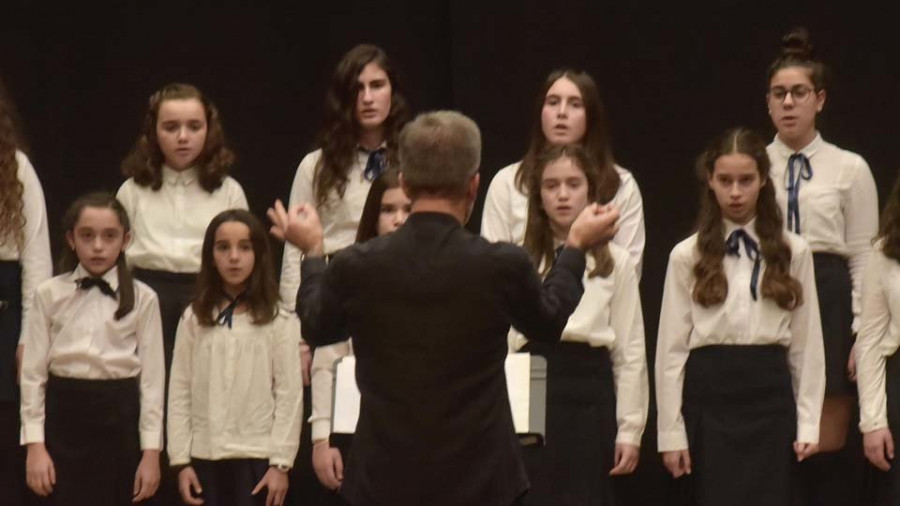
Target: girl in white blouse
(829,198)
(739,362)
(597,385)
(92,373)
(235,392)
(877,360)
(24,263)
(568,110)
(386,209)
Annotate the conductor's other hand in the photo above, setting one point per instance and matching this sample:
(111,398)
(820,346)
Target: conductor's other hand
(299,226)
(596,225)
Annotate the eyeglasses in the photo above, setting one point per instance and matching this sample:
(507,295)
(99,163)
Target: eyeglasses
(798,93)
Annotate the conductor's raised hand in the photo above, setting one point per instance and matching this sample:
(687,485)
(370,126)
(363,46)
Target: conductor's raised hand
(299,226)
(596,225)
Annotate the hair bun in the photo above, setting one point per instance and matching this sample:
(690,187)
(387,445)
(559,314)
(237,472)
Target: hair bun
(796,44)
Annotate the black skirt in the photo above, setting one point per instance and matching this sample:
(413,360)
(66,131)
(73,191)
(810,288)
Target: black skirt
(572,468)
(175,291)
(10,328)
(228,482)
(740,416)
(834,289)
(91,433)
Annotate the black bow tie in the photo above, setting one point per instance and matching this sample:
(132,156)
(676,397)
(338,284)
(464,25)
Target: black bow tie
(226,316)
(88,283)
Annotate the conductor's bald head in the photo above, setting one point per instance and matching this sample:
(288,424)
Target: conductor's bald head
(439,153)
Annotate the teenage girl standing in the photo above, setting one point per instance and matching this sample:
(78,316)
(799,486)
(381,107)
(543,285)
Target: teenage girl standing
(597,386)
(24,263)
(568,111)
(739,362)
(829,198)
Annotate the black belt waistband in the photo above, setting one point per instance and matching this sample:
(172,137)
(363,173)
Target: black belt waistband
(91,385)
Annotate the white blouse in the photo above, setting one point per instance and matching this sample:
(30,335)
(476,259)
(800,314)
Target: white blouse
(168,225)
(609,315)
(838,204)
(685,325)
(878,338)
(322,385)
(339,216)
(34,254)
(236,392)
(72,333)
(506,212)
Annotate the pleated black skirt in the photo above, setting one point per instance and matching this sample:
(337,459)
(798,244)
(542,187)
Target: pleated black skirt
(91,433)
(12,456)
(834,288)
(572,468)
(740,416)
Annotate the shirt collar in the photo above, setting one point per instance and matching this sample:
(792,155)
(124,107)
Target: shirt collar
(749,227)
(184,177)
(809,150)
(111,276)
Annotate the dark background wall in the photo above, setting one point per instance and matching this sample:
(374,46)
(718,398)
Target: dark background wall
(672,75)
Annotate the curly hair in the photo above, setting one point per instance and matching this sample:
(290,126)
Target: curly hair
(144,162)
(538,234)
(12,204)
(339,134)
(596,136)
(711,287)
(262,289)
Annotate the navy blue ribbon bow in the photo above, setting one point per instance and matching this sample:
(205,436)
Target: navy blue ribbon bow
(375,165)
(226,316)
(799,169)
(733,248)
(87,283)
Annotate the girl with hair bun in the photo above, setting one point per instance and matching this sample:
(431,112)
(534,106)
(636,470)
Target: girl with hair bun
(739,362)
(829,198)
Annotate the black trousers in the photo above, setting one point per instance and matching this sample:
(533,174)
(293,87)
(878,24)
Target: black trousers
(229,482)
(12,456)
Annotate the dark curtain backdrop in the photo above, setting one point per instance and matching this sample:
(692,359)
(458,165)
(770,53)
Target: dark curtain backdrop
(672,74)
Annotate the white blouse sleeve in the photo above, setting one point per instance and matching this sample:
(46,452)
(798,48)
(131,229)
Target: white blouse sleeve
(179,432)
(287,387)
(631,235)
(153,371)
(495,225)
(35,370)
(860,227)
(672,349)
(629,356)
(806,351)
(301,193)
(870,359)
(35,258)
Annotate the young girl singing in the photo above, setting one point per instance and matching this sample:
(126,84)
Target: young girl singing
(597,387)
(93,372)
(385,210)
(739,361)
(24,263)
(235,392)
(568,110)
(829,197)
(877,360)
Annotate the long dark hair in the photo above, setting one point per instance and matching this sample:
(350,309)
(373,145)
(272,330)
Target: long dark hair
(12,204)
(339,134)
(538,234)
(368,222)
(798,51)
(889,233)
(68,261)
(262,290)
(711,287)
(144,162)
(596,134)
